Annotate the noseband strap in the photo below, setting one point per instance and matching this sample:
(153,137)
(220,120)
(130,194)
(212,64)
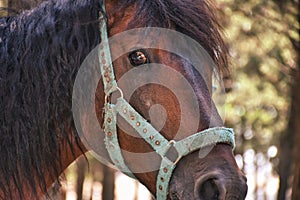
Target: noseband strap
(157,141)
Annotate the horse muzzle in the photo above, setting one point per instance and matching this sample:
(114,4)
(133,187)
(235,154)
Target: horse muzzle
(215,186)
(213,177)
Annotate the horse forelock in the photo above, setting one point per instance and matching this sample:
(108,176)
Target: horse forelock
(196,19)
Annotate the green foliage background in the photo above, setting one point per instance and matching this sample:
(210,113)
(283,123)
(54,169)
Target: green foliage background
(263,39)
(259,35)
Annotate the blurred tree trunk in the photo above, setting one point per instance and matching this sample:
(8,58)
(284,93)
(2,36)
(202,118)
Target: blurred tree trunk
(290,160)
(136,191)
(289,142)
(290,147)
(285,157)
(296,120)
(108,183)
(81,169)
(296,182)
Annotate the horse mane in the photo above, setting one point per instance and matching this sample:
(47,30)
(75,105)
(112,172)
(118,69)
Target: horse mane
(41,51)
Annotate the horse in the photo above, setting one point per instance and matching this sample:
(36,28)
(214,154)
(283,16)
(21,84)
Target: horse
(41,53)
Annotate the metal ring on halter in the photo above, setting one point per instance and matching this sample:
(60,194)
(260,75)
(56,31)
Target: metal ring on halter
(108,95)
(177,160)
(121,92)
(172,142)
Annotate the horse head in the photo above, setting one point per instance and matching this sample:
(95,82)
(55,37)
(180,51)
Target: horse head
(164,55)
(149,109)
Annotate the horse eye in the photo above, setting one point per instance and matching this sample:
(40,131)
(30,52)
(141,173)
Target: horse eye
(138,57)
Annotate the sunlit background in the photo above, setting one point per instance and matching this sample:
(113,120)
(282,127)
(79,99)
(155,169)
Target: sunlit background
(262,36)
(263,183)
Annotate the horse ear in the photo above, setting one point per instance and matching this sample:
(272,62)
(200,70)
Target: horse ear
(227,80)
(119,14)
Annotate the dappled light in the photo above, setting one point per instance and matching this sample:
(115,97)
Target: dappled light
(261,36)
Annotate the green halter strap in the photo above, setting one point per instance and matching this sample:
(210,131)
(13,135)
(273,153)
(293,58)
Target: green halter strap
(146,130)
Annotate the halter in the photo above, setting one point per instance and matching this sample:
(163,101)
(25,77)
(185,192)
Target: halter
(157,141)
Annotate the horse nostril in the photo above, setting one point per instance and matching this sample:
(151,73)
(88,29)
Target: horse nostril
(215,186)
(208,190)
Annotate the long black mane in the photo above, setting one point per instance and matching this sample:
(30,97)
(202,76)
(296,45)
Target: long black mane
(40,53)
